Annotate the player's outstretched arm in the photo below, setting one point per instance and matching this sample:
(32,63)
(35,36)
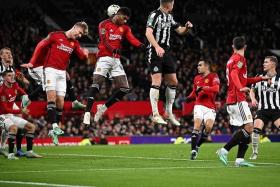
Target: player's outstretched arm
(132,39)
(184,30)
(253,97)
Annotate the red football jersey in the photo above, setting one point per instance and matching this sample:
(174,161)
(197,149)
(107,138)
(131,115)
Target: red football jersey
(111,36)
(59,49)
(236,62)
(8,97)
(236,73)
(210,87)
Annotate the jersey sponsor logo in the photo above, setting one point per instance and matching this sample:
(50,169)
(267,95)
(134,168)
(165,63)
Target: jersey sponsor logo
(239,64)
(115,37)
(268,89)
(65,48)
(12,99)
(167,24)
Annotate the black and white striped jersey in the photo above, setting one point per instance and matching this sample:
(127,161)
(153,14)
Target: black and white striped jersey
(4,68)
(268,93)
(161,23)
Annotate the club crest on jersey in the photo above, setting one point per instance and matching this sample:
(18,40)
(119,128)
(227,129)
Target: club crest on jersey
(155,69)
(206,80)
(103,31)
(239,64)
(121,29)
(16,92)
(72,44)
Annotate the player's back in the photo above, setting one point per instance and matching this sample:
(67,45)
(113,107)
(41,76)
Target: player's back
(236,63)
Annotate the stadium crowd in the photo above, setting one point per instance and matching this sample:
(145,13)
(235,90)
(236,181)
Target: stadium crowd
(22,29)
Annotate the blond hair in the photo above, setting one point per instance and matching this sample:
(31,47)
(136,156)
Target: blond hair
(83,25)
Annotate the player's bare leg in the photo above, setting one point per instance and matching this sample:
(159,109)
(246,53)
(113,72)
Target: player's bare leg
(30,130)
(170,94)
(206,132)
(258,125)
(194,137)
(93,90)
(123,89)
(154,96)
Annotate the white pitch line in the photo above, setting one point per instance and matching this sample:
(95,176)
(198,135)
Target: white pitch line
(114,169)
(40,184)
(150,158)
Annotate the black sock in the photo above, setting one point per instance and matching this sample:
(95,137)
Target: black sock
(19,137)
(203,138)
(58,115)
(70,91)
(117,96)
(195,135)
(11,140)
(94,89)
(35,93)
(29,141)
(240,136)
(242,148)
(51,112)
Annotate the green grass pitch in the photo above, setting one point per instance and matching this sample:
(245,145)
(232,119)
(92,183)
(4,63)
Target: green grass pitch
(139,166)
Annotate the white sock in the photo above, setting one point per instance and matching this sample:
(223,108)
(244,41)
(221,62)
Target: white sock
(170,94)
(54,125)
(224,151)
(154,95)
(238,160)
(255,142)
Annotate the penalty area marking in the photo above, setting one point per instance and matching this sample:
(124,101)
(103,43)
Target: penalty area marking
(151,158)
(40,184)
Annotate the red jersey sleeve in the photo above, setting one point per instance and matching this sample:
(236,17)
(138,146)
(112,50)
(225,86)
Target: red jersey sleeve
(21,92)
(79,52)
(253,80)
(41,47)
(131,38)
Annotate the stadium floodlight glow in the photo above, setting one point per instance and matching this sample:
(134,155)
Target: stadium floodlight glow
(112,10)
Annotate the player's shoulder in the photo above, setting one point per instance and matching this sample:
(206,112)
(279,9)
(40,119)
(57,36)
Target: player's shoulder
(214,75)
(104,22)
(197,77)
(56,34)
(155,13)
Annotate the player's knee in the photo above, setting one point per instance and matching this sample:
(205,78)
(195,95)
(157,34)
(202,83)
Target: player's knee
(249,128)
(30,127)
(13,129)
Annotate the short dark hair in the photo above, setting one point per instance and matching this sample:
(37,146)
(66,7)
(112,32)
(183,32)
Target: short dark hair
(124,11)
(273,59)
(4,48)
(208,62)
(239,42)
(165,1)
(6,72)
